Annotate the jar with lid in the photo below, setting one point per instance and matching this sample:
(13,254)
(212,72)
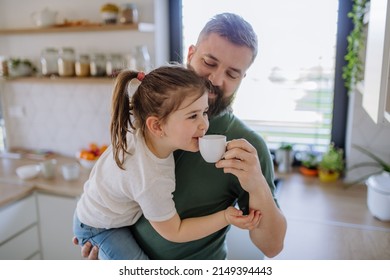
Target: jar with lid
(128,13)
(49,64)
(115,63)
(66,62)
(82,67)
(98,65)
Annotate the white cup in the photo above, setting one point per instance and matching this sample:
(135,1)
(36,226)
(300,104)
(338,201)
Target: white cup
(70,171)
(212,147)
(48,168)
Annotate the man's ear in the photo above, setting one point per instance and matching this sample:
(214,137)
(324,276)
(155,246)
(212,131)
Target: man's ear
(154,126)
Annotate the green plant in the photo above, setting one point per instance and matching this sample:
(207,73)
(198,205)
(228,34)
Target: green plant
(286,146)
(332,160)
(353,70)
(310,160)
(380,164)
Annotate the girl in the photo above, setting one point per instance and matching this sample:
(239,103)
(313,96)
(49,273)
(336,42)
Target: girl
(135,175)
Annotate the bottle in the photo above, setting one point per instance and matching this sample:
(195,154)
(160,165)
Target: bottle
(128,14)
(66,62)
(98,65)
(82,66)
(49,64)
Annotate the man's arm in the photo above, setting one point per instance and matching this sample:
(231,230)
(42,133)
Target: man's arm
(241,160)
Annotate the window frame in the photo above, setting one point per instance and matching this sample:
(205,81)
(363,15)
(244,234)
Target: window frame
(340,100)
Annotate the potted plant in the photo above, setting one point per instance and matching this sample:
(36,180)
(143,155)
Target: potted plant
(378,164)
(331,164)
(378,184)
(309,164)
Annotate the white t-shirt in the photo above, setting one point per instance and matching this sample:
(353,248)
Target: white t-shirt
(115,198)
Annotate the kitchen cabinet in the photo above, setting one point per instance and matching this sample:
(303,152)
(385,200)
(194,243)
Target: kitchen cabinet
(55,226)
(19,237)
(376,96)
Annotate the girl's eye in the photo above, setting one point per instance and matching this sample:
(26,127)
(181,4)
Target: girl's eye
(193,116)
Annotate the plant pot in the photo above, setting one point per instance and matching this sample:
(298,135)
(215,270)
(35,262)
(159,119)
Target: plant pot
(308,171)
(328,176)
(378,196)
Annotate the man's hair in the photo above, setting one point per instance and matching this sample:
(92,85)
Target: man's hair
(234,28)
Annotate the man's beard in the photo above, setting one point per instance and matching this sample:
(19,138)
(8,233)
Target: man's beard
(219,103)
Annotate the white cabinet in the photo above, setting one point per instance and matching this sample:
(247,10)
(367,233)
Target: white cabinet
(19,230)
(376,100)
(55,225)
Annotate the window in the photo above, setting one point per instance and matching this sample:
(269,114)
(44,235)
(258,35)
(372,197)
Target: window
(287,95)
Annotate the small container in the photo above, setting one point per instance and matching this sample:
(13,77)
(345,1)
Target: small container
(128,14)
(98,65)
(115,63)
(66,62)
(49,62)
(70,171)
(82,66)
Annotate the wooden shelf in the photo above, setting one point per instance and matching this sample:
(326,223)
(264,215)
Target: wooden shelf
(141,27)
(90,80)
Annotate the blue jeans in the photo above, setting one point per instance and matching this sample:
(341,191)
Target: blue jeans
(114,244)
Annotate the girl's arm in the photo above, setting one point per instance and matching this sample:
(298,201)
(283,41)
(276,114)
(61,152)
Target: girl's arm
(177,230)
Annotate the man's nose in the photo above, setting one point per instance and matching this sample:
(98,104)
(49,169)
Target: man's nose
(216,78)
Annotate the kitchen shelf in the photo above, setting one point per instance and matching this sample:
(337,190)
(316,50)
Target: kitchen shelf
(141,27)
(95,80)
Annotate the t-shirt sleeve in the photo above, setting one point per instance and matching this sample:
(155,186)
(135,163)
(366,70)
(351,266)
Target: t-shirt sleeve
(156,200)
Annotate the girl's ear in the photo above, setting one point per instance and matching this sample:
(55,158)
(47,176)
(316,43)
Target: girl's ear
(154,126)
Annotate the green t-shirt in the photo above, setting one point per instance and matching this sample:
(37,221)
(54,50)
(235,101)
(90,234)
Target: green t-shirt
(202,189)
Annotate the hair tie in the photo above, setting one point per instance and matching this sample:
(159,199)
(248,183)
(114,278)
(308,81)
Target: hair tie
(140,76)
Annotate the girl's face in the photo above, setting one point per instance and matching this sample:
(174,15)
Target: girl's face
(184,126)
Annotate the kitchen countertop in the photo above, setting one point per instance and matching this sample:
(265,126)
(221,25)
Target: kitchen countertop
(13,188)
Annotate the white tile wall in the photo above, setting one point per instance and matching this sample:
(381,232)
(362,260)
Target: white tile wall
(55,116)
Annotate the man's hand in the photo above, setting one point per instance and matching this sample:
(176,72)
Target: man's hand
(236,218)
(241,160)
(87,251)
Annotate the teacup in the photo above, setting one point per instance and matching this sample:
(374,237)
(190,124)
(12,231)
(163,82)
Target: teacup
(212,147)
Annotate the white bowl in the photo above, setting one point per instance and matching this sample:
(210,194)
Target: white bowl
(28,171)
(88,164)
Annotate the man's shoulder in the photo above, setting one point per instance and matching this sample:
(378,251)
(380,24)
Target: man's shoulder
(234,128)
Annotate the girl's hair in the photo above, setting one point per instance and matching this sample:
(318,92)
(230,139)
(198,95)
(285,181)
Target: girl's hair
(234,28)
(160,93)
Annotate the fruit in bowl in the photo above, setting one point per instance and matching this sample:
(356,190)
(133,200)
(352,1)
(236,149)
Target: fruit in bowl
(88,157)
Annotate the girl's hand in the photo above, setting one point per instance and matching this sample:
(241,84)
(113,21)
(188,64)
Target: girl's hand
(235,217)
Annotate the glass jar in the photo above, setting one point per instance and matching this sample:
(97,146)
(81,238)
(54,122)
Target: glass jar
(128,14)
(3,67)
(82,66)
(115,63)
(142,58)
(49,64)
(66,62)
(98,65)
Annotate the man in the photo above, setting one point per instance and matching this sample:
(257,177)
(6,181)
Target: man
(225,49)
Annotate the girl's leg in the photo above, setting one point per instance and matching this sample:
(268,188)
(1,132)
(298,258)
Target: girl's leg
(114,244)
(118,244)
